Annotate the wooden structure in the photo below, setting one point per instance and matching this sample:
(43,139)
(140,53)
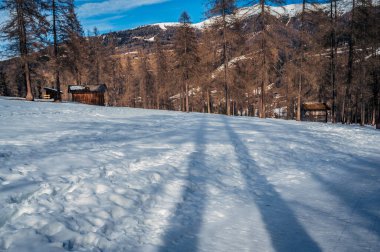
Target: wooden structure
(88,94)
(50,93)
(315,112)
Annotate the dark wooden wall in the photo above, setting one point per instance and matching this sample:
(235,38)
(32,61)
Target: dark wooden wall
(89,98)
(315,116)
(51,93)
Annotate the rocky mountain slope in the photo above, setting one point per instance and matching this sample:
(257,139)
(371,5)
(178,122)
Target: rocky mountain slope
(145,35)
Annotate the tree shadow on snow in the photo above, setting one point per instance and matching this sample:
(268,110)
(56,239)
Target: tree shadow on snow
(351,177)
(362,197)
(286,232)
(185,224)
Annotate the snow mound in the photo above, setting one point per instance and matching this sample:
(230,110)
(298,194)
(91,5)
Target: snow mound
(164,26)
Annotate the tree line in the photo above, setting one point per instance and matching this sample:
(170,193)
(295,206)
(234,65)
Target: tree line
(248,61)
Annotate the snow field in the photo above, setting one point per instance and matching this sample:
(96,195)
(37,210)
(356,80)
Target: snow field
(82,178)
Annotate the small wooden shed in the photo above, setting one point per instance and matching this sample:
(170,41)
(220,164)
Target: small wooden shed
(50,93)
(88,94)
(315,111)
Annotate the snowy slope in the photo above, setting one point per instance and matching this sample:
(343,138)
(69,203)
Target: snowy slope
(290,10)
(82,178)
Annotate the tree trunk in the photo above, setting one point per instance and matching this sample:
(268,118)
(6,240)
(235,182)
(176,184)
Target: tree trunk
(332,57)
(226,89)
(262,100)
(263,73)
(208,102)
(187,96)
(373,123)
(157,95)
(356,106)
(301,63)
(376,112)
(348,110)
(299,100)
(362,109)
(24,50)
(287,102)
(57,80)
(181,100)
(29,93)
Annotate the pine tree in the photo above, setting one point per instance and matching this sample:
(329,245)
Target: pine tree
(116,79)
(76,52)
(161,73)
(130,82)
(74,44)
(25,29)
(186,54)
(333,56)
(225,9)
(209,62)
(64,26)
(97,54)
(265,43)
(303,48)
(146,81)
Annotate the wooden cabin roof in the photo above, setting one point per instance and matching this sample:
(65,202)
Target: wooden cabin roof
(52,90)
(315,106)
(102,88)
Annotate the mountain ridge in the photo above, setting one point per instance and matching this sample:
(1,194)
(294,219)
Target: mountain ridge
(147,34)
(290,10)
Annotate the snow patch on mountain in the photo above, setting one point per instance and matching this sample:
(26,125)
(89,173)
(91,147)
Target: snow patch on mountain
(290,10)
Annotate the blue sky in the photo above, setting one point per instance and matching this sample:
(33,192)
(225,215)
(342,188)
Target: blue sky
(113,15)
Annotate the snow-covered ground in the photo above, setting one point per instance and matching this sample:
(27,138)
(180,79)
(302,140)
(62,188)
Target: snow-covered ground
(82,178)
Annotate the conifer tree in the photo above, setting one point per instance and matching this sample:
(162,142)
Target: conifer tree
(25,30)
(72,47)
(333,56)
(304,47)
(225,9)
(161,73)
(97,53)
(209,61)
(116,78)
(130,81)
(186,54)
(265,44)
(64,26)
(146,80)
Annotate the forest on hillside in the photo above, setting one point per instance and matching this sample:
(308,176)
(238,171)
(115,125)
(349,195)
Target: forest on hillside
(253,63)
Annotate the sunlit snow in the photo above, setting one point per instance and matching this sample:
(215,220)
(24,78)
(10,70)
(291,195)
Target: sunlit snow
(86,178)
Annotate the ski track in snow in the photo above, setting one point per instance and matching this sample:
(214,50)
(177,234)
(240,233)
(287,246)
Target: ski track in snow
(82,178)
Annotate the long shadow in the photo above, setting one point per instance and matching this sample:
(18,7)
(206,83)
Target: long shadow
(185,224)
(286,233)
(363,202)
(20,186)
(352,180)
(114,133)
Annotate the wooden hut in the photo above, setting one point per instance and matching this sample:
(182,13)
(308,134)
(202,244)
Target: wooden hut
(50,93)
(315,112)
(88,94)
